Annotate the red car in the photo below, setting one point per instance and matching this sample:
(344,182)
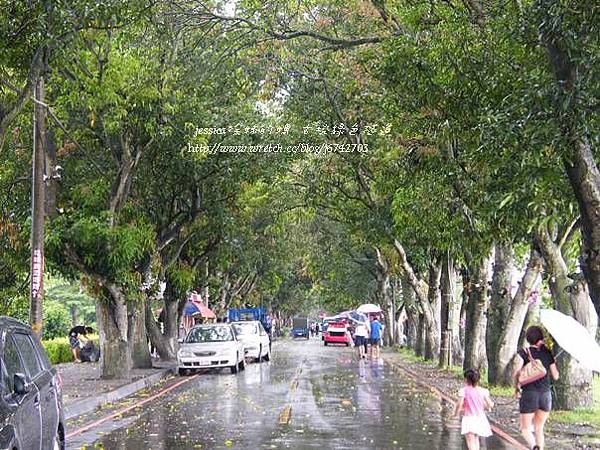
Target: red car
(337,333)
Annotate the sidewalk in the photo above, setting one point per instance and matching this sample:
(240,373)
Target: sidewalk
(506,410)
(84,390)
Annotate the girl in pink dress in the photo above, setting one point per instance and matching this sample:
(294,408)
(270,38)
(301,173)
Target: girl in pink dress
(473,401)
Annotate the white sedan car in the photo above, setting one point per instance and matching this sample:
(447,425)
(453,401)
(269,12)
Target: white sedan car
(210,346)
(257,344)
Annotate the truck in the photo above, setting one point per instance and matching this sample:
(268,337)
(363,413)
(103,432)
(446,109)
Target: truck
(300,327)
(260,314)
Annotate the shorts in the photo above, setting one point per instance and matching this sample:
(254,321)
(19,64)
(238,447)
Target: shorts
(73,342)
(360,340)
(375,342)
(532,401)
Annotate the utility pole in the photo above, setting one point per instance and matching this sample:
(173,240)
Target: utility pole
(37,209)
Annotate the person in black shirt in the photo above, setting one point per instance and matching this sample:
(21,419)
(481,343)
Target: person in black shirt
(535,400)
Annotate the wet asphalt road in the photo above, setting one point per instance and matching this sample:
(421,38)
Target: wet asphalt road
(337,402)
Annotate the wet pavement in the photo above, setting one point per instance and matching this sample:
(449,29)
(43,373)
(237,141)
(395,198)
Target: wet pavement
(308,397)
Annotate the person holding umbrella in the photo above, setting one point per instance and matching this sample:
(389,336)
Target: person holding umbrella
(361,335)
(532,386)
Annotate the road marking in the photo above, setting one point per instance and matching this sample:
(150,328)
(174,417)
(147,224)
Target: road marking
(286,415)
(120,412)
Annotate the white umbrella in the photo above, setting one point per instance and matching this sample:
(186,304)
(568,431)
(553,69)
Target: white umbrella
(572,337)
(369,308)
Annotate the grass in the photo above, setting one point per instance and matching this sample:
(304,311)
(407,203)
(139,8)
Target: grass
(410,355)
(587,416)
(457,372)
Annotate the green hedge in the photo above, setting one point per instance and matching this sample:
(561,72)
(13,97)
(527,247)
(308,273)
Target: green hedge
(59,350)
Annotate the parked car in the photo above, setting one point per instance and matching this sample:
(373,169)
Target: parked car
(337,333)
(257,344)
(245,314)
(211,346)
(31,410)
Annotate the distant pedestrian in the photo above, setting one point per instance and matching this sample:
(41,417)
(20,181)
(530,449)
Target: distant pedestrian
(535,398)
(472,402)
(361,336)
(376,328)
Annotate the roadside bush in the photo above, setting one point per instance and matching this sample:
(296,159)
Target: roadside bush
(58,350)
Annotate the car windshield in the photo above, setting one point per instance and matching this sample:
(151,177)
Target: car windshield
(209,334)
(245,328)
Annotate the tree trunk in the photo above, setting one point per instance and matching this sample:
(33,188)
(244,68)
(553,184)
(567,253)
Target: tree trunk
(115,360)
(446,311)
(432,316)
(511,332)
(428,302)
(137,337)
(420,338)
(399,313)
(574,389)
(500,300)
(459,325)
(383,295)
(165,341)
(476,315)
(585,180)
(412,315)
(580,163)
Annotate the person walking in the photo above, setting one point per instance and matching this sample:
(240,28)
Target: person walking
(473,400)
(361,335)
(535,397)
(376,328)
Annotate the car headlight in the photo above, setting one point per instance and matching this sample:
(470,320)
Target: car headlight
(184,354)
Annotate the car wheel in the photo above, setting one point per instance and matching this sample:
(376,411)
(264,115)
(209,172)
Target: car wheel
(235,366)
(181,371)
(325,342)
(259,359)
(268,356)
(242,365)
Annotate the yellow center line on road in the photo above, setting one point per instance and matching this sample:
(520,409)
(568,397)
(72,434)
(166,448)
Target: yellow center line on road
(285,417)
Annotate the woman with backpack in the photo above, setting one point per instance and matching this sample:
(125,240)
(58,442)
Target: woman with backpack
(535,366)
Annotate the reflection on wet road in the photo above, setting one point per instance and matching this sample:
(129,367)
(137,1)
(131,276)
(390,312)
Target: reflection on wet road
(309,396)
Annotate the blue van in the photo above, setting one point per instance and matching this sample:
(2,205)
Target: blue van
(300,327)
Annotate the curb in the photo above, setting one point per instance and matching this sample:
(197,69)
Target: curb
(504,435)
(89,404)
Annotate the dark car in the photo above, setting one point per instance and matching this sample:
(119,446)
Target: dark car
(31,412)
